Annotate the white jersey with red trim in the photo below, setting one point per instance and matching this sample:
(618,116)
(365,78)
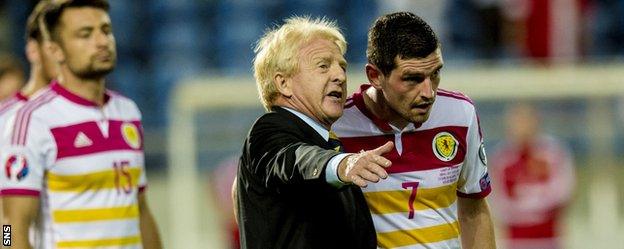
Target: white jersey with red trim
(432,164)
(84,162)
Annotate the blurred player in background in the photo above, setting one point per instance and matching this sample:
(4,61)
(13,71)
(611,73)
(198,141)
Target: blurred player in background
(73,157)
(534,183)
(42,69)
(220,184)
(11,77)
(438,180)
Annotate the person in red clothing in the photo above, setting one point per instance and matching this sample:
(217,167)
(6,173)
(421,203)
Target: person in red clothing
(220,185)
(534,182)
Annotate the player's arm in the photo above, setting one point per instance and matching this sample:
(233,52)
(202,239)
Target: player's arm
(22,179)
(149,231)
(20,212)
(477,231)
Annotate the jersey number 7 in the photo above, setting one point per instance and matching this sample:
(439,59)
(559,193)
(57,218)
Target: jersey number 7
(412,198)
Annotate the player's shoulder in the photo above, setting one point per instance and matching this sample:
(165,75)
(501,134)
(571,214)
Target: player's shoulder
(123,102)
(33,113)
(352,114)
(9,105)
(36,106)
(447,99)
(456,97)
(120,98)
(451,108)
(356,120)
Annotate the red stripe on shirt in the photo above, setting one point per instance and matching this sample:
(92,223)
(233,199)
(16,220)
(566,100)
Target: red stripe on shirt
(479,195)
(22,192)
(417,151)
(67,136)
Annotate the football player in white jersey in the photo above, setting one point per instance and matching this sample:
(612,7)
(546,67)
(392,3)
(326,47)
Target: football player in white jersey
(438,179)
(73,162)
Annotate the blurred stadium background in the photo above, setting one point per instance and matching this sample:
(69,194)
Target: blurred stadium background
(187,64)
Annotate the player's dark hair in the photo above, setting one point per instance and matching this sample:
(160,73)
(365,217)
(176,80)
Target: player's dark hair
(54,11)
(401,33)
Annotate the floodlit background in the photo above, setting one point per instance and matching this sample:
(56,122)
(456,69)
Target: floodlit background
(187,64)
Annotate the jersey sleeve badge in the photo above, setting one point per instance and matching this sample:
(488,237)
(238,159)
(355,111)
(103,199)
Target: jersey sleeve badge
(16,167)
(131,135)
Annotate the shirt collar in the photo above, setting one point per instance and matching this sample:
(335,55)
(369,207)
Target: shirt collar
(315,125)
(60,90)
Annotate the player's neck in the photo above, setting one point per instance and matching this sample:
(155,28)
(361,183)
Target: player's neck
(376,104)
(90,89)
(36,82)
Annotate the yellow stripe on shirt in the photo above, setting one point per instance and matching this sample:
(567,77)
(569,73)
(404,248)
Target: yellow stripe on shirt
(107,179)
(96,214)
(385,202)
(418,236)
(123,241)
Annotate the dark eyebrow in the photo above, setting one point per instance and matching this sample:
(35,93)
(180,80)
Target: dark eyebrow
(420,73)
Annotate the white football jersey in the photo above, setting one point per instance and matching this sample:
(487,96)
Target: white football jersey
(432,164)
(84,162)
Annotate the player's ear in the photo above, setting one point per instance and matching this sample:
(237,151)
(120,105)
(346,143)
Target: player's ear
(374,75)
(283,84)
(53,48)
(32,51)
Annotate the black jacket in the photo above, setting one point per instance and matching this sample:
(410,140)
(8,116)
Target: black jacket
(283,198)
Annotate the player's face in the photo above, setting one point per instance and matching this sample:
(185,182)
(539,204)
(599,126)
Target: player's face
(319,86)
(411,87)
(88,43)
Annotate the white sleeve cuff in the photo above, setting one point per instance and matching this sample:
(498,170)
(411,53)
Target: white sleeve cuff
(331,172)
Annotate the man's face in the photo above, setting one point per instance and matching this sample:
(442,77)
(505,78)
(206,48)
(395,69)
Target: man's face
(411,87)
(319,85)
(87,40)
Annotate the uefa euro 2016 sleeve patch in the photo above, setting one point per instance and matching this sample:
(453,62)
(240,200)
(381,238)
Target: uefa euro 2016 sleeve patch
(16,167)
(482,155)
(445,146)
